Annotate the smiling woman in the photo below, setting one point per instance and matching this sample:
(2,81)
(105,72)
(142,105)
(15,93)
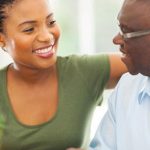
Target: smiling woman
(46,99)
(31,36)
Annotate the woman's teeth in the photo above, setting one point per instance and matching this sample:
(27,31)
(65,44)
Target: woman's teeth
(45,50)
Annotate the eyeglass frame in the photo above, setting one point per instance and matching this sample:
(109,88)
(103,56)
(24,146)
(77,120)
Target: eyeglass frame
(134,34)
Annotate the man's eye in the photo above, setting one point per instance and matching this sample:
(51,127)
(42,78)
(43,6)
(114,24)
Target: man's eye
(126,30)
(29,30)
(123,30)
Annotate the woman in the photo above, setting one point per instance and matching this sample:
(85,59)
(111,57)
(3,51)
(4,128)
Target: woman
(46,101)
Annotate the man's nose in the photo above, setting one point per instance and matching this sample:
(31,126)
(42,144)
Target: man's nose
(118,39)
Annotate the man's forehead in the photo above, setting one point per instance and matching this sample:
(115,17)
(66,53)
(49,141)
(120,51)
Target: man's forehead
(135,14)
(136,3)
(134,9)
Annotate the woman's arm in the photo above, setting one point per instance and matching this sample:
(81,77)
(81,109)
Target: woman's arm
(117,68)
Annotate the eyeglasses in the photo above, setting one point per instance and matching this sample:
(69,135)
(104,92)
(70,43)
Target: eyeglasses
(134,34)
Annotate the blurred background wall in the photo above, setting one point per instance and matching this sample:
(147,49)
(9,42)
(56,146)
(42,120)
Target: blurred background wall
(87,25)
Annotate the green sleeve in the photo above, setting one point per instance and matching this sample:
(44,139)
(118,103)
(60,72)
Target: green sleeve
(96,74)
(93,70)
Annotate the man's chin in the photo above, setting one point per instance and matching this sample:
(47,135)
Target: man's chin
(131,67)
(133,71)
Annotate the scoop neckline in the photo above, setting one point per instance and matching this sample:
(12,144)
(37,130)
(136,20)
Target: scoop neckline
(11,111)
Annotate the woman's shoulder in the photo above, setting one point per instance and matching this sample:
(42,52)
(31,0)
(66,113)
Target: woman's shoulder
(83,57)
(4,69)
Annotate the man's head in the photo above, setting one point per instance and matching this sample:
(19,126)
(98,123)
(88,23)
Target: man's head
(134,17)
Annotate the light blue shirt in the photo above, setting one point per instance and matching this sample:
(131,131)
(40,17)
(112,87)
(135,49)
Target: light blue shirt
(126,124)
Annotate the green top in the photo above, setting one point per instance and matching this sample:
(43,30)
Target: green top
(81,82)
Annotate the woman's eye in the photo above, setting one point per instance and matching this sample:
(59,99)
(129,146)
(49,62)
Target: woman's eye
(51,23)
(29,30)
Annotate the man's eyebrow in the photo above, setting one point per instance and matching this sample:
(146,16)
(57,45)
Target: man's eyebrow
(33,21)
(125,26)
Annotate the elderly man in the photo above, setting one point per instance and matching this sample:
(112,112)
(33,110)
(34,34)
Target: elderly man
(126,125)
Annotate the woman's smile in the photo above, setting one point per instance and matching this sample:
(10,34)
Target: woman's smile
(45,52)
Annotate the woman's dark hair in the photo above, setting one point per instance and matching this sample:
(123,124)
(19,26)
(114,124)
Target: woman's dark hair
(3,5)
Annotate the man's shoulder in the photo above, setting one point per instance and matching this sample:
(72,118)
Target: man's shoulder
(127,78)
(127,91)
(131,83)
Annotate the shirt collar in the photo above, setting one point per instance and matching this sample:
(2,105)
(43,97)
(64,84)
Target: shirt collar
(145,90)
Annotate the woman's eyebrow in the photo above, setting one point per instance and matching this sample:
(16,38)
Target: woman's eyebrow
(33,21)
(51,14)
(27,22)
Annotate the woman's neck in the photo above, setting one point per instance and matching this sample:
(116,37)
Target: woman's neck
(30,75)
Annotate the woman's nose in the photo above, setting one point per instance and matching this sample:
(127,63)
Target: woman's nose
(45,35)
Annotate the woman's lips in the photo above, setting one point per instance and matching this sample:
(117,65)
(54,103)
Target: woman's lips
(45,52)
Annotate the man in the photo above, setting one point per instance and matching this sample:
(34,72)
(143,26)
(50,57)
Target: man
(126,125)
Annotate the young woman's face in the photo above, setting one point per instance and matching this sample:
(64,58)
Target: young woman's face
(31,33)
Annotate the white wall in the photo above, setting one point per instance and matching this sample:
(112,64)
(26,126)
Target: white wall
(4,58)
